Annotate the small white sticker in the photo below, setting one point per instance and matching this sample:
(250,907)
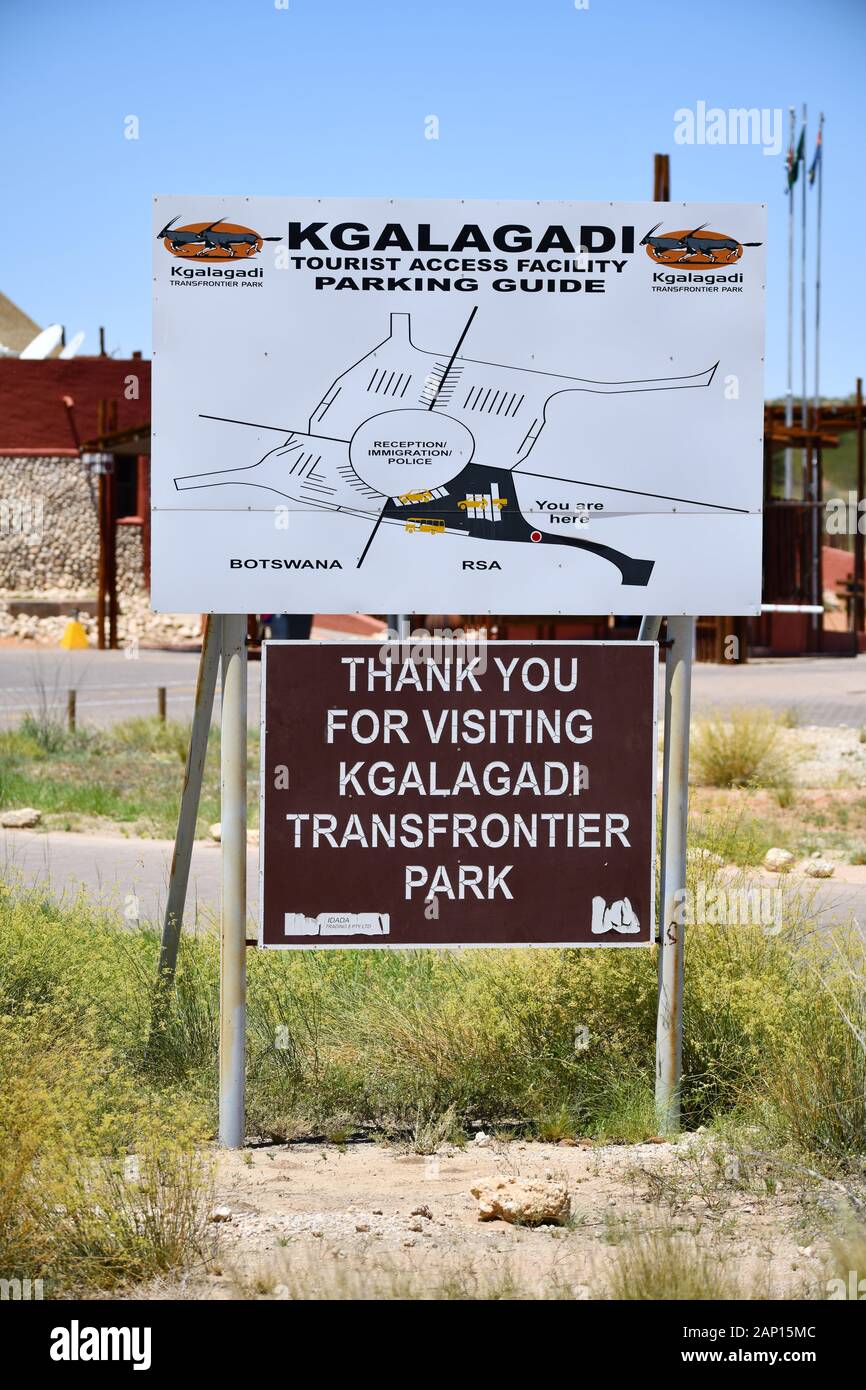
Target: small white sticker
(620,917)
(338,924)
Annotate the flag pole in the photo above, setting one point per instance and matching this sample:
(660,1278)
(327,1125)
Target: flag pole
(816,527)
(803,406)
(819,173)
(789,395)
(809,489)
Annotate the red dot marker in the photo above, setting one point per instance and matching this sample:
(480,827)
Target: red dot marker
(535,536)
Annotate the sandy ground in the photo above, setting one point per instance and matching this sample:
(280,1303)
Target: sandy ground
(363,1220)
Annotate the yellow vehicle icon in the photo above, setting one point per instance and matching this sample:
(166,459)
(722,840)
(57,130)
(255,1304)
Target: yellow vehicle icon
(433,525)
(415,497)
(468,502)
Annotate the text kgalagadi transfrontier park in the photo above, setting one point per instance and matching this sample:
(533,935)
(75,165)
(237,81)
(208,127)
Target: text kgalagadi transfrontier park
(517,726)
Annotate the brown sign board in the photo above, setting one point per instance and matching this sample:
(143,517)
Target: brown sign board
(457,794)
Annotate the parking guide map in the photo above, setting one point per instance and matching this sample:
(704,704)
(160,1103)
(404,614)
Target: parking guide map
(478,407)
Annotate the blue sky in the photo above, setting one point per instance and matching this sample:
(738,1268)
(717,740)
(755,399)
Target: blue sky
(534,100)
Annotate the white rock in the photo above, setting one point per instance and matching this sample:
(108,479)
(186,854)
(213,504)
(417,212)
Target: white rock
(778,861)
(482,1140)
(818,868)
(215,831)
(698,854)
(221,1214)
(21,819)
(523,1203)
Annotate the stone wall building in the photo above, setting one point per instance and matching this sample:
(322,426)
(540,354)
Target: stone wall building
(49,520)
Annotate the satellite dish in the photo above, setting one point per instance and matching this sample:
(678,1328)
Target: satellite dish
(44,343)
(72,346)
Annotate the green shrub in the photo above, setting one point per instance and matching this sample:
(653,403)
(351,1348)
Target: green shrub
(559,1042)
(740,749)
(101,1183)
(668,1265)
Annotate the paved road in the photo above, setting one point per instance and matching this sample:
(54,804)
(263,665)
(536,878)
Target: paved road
(128,876)
(131,877)
(110,687)
(822,690)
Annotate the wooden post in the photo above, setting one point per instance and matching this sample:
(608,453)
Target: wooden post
(858,536)
(661,178)
(160,703)
(103,540)
(111,533)
(111,555)
(143,505)
(818,534)
(70,711)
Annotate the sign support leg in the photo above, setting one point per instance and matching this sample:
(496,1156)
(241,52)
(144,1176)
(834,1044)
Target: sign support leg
(189,801)
(233,966)
(185,834)
(669,1024)
(650,629)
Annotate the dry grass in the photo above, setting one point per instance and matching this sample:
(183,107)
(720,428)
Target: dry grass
(669,1265)
(101,1183)
(740,749)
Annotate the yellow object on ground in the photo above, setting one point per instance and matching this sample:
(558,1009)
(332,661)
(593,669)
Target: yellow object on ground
(74,637)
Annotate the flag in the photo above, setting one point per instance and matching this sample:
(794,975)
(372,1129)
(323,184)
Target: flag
(813,167)
(795,160)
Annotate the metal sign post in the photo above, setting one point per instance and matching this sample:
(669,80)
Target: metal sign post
(233,967)
(223,643)
(189,801)
(675,803)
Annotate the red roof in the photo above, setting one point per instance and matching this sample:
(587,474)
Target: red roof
(33,418)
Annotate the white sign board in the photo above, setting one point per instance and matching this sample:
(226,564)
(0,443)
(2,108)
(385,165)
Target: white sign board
(471,407)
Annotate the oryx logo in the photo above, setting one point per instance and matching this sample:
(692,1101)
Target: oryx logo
(212,241)
(695,248)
